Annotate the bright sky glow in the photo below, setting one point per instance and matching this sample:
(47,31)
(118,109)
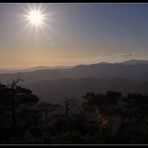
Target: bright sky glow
(71,34)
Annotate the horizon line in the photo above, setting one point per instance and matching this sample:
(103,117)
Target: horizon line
(17,67)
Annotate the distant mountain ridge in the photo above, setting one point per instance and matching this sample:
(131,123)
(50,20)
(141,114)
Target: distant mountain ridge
(133,62)
(3,71)
(10,70)
(136,72)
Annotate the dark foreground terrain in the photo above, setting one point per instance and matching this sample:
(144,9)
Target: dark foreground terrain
(100,118)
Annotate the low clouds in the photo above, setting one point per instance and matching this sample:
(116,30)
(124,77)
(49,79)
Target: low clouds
(127,55)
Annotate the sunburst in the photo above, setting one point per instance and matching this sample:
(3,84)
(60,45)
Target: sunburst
(36,17)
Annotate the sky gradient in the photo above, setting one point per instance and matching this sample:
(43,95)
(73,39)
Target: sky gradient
(75,34)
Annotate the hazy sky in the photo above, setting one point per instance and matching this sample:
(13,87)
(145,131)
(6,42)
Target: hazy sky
(75,34)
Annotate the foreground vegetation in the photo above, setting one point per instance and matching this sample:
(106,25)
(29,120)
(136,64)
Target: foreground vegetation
(98,119)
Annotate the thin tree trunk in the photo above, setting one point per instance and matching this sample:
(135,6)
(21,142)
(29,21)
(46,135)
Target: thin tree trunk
(13,111)
(66,111)
(46,115)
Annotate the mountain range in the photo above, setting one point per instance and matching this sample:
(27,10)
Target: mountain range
(55,84)
(137,72)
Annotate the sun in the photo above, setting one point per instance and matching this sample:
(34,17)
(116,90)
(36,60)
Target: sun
(35,17)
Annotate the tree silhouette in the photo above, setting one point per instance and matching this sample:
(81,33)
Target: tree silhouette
(15,98)
(45,107)
(68,105)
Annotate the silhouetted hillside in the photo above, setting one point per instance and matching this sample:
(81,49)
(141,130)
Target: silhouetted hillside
(55,91)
